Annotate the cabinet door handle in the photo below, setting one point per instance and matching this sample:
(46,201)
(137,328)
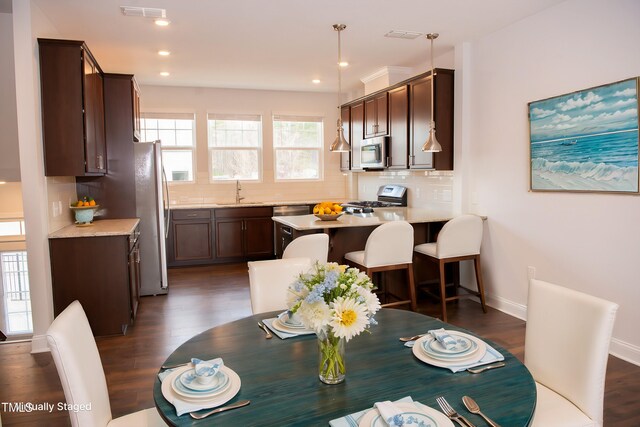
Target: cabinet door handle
(192,215)
(100,161)
(388,161)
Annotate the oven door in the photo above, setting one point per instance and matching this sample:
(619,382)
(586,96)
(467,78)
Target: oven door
(373,153)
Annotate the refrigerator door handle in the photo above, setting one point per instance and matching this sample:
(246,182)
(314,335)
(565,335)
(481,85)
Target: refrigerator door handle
(165,184)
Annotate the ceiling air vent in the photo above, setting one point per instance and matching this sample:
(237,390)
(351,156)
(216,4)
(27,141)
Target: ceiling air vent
(399,34)
(145,12)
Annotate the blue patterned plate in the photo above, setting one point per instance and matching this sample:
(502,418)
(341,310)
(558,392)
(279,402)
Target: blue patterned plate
(464,347)
(411,416)
(428,348)
(205,391)
(285,321)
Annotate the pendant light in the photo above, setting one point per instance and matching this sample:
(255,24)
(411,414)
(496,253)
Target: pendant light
(432,144)
(340,144)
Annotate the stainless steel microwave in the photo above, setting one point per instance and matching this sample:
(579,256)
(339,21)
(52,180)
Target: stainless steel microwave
(373,152)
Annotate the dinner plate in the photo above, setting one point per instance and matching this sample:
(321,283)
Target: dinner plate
(463,345)
(285,321)
(232,388)
(411,415)
(187,380)
(276,323)
(429,348)
(192,395)
(421,354)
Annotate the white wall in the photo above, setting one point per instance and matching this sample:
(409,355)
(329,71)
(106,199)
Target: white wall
(9,160)
(208,100)
(589,242)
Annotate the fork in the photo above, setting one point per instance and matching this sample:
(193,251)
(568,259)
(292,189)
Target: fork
(451,413)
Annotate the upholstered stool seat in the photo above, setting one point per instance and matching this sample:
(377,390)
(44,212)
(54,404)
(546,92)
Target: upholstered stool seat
(459,240)
(389,247)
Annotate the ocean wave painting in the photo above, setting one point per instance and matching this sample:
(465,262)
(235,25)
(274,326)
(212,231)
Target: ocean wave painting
(586,140)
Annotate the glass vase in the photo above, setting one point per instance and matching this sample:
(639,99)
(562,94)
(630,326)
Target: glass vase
(331,366)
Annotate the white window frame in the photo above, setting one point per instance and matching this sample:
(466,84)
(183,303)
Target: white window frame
(319,148)
(178,148)
(258,149)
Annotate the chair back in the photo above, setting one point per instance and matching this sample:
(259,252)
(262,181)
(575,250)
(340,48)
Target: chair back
(567,343)
(269,282)
(312,246)
(389,244)
(460,236)
(79,366)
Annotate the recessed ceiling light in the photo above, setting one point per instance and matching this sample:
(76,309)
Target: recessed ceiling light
(315,81)
(162,22)
(164,53)
(165,74)
(344,64)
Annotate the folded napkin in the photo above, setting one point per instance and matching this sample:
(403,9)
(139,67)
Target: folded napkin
(443,338)
(181,406)
(284,335)
(352,420)
(390,413)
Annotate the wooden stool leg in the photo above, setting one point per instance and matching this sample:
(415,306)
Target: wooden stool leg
(476,263)
(412,287)
(443,293)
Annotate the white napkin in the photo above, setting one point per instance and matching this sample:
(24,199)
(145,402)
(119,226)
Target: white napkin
(352,420)
(390,413)
(443,338)
(181,406)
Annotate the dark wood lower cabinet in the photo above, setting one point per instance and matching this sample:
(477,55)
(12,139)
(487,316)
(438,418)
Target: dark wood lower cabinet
(98,272)
(190,239)
(244,233)
(229,238)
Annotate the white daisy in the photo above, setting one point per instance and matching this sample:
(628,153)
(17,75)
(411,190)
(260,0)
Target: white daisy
(349,318)
(371,300)
(315,316)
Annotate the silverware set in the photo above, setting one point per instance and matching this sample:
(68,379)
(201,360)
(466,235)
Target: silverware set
(470,404)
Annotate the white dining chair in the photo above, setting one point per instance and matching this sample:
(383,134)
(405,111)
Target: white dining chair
(566,350)
(77,360)
(269,282)
(389,247)
(312,246)
(458,240)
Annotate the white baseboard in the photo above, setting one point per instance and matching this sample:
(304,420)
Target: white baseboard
(39,344)
(618,348)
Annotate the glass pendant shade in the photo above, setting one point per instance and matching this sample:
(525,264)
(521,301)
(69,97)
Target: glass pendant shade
(340,144)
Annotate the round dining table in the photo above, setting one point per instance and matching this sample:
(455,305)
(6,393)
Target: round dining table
(280,376)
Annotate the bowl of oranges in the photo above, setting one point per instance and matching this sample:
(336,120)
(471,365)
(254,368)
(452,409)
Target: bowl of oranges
(327,211)
(83,210)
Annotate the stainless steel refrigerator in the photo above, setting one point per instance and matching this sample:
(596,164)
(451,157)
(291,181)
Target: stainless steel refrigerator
(152,207)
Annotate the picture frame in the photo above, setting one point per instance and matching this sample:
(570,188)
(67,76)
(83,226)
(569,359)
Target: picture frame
(586,141)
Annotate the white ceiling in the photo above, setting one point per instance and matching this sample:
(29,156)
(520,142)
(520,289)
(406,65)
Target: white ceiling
(274,44)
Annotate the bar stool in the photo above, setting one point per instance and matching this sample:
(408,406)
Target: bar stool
(312,246)
(389,247)
(459,240)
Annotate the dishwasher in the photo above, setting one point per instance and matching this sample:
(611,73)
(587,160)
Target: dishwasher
(283,234)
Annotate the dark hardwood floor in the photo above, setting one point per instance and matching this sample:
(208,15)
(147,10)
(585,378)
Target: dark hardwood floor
(203,297)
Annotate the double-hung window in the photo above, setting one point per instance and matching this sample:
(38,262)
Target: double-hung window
(235,147)
(297,145)
(176,132)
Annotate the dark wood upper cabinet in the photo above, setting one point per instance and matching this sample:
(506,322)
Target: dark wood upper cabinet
(357,134)
(420,120)
(72,109)
(398,128)
(345,158)
(376,117)
(135,99)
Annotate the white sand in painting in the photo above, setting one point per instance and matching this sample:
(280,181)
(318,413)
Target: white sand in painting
(547,180)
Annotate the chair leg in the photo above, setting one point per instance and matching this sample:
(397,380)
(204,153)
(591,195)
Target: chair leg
(476,263)
(443,294)
(412,288)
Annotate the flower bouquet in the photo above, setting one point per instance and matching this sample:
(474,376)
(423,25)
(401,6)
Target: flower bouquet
(337,302)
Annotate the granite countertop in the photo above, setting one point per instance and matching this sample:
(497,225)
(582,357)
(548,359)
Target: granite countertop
(249,204)
(98,228)
(379,216)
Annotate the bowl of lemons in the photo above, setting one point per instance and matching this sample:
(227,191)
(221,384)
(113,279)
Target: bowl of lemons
(327,211)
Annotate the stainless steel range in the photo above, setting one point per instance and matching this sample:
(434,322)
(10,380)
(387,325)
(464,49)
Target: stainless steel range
(389,196)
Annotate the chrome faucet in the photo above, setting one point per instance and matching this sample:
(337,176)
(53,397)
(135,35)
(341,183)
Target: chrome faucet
(238,188)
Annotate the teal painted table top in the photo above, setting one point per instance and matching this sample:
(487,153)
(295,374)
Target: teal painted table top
(280,377)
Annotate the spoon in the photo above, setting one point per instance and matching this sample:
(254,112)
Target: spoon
(239,404)
(266,331)
(413,338)
(473,407)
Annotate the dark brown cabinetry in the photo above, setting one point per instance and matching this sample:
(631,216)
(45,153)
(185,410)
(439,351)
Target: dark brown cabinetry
(244,233)
(376,117)
(345,158)
(357,134)
(103,274)
(398,128)
(420,120)
(72,109)
(190,239)
(135,99)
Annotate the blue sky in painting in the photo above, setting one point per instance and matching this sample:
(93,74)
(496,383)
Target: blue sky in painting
(603,109)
